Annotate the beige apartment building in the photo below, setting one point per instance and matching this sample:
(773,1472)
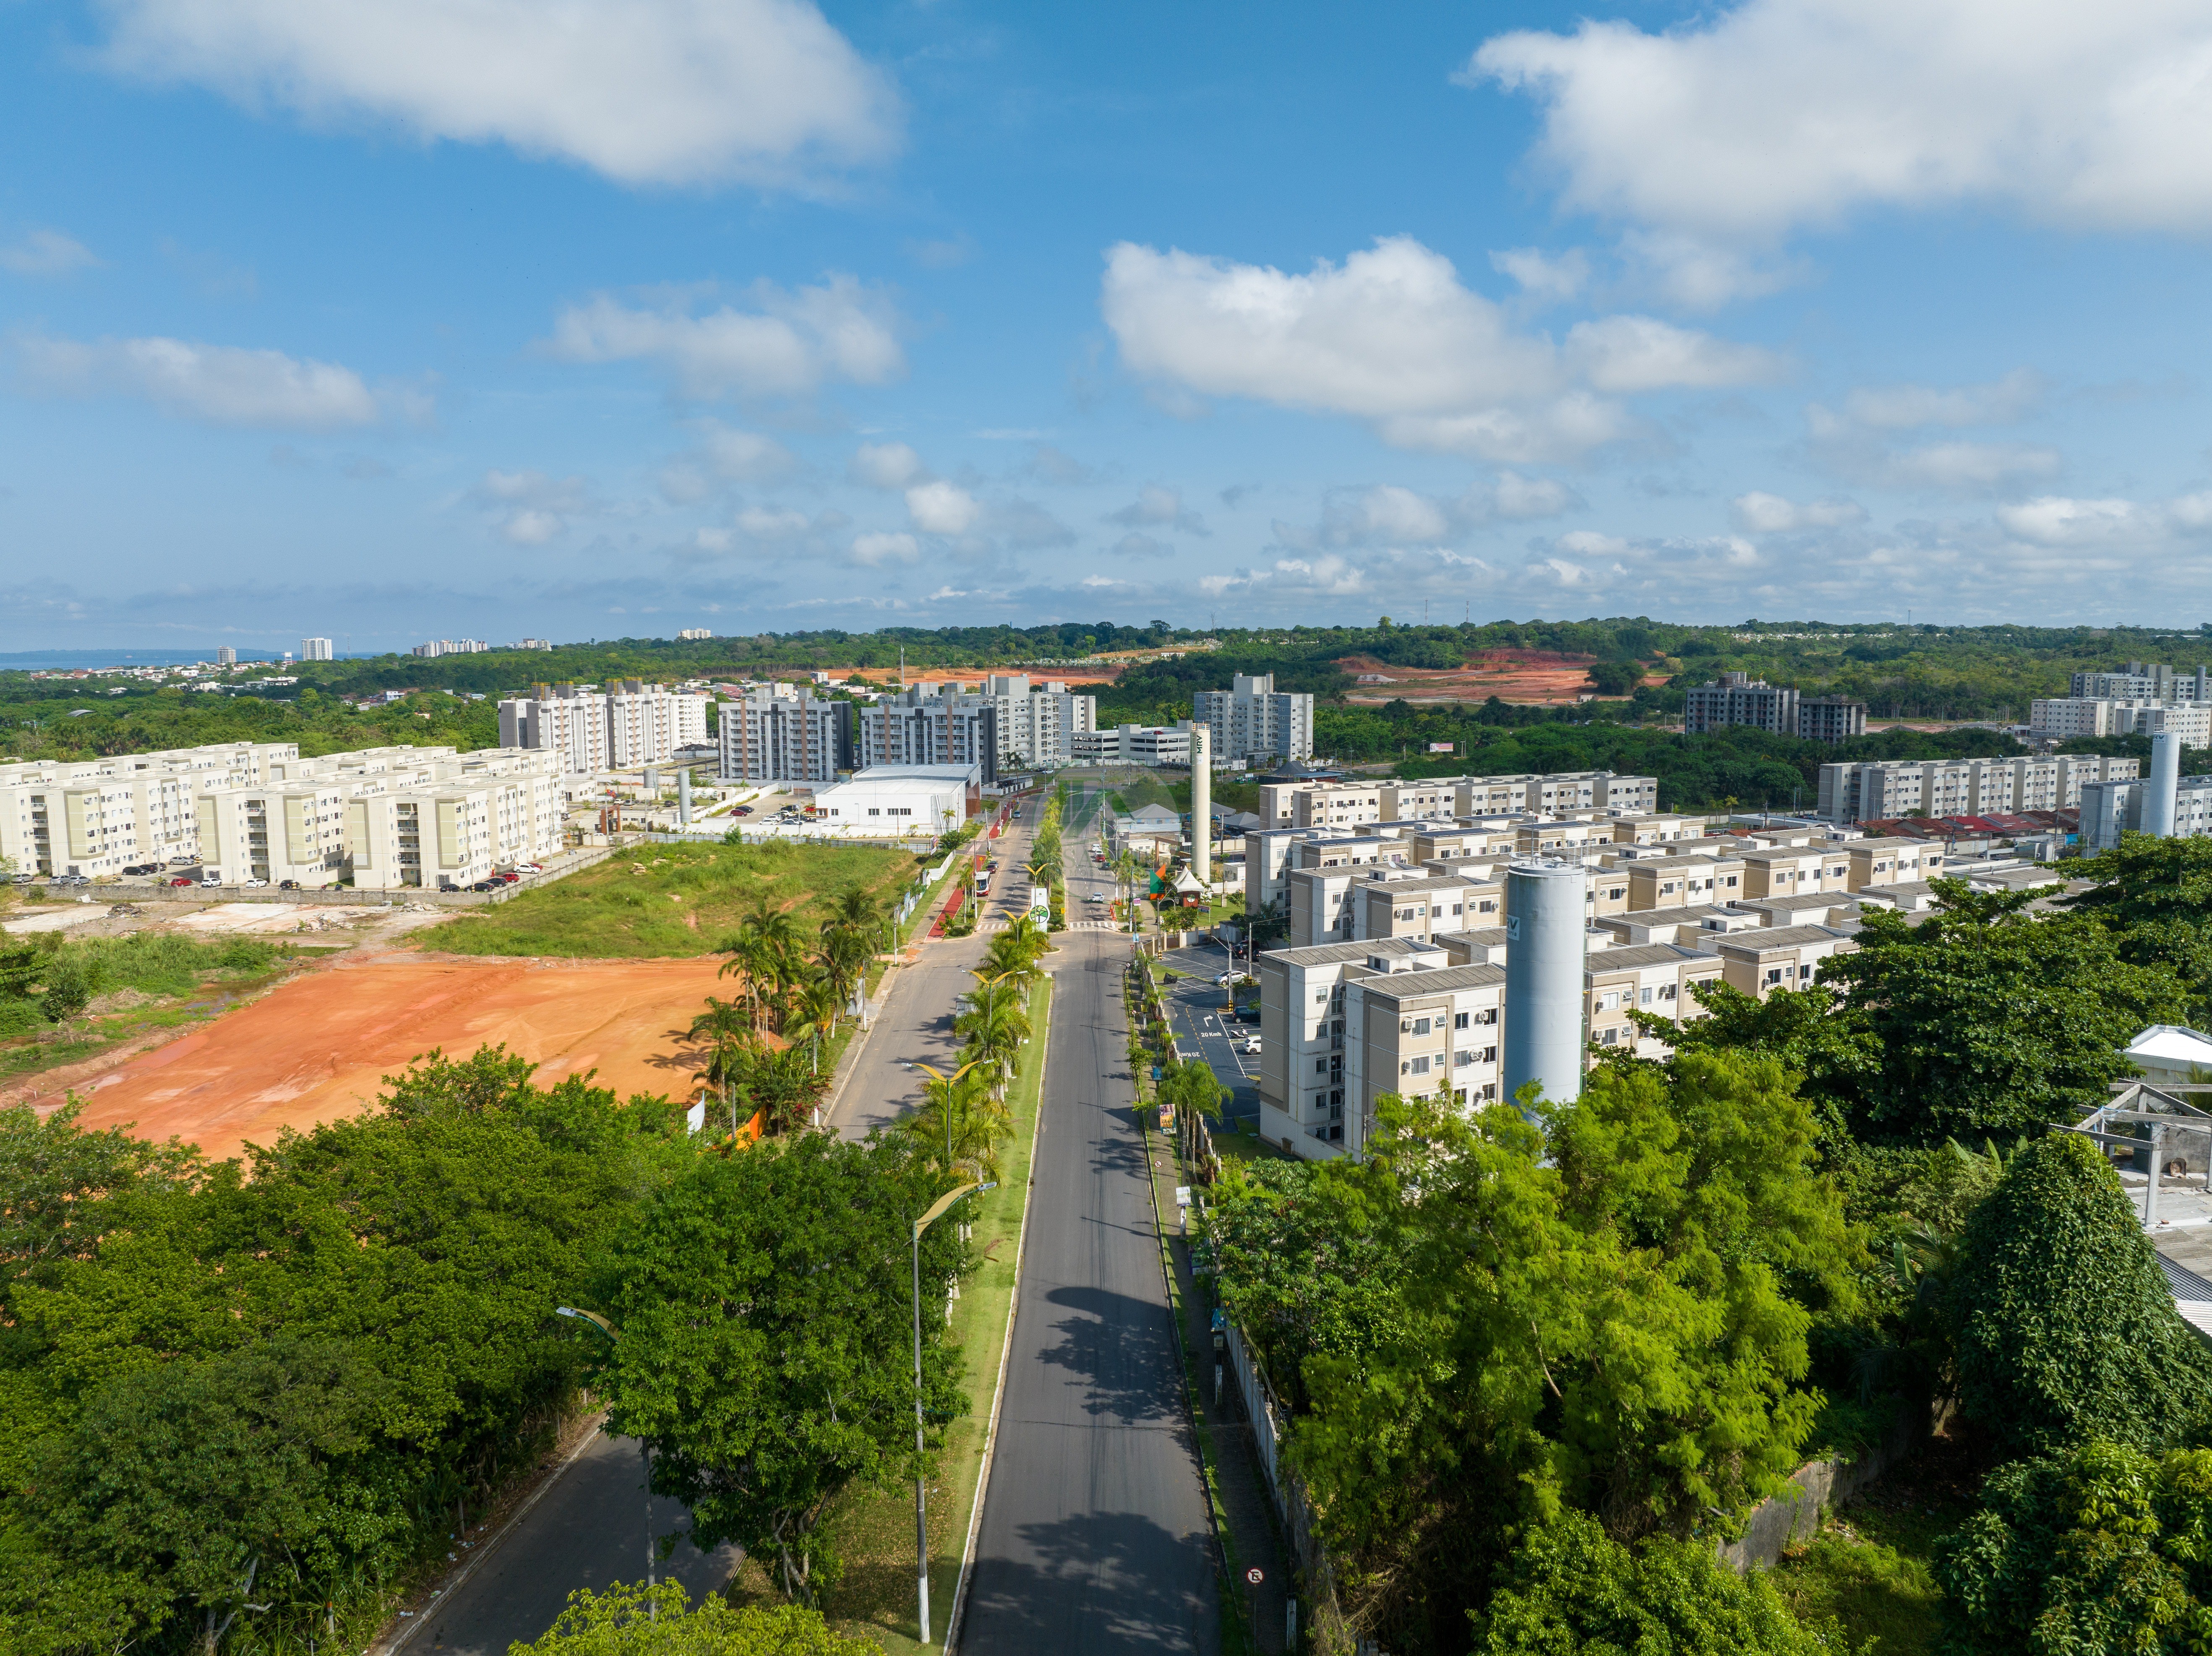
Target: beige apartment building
(1654,978)
(1760,962)
(1890,861)
(1425,906)
(1684,882)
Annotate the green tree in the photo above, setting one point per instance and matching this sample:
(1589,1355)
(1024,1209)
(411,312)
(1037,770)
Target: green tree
(1990,1022)
(211,1476)
(2064,1326)
(2105,1549)
(763,1300)
(1570,1590)
(2147,879)
(1615,678)
(630,1620)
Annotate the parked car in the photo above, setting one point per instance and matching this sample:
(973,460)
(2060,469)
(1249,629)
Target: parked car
(182,862)
(20,879)
(142,867)
(69,879)
(1224,980)
(742,810)
(1251,1043)
(531,868)
(288,885)
(508,879)
(1248,1014)
(250,884)
(210,882)
(485,885)
(180,880)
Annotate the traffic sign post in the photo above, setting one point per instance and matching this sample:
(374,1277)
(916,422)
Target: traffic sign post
(1253,1577)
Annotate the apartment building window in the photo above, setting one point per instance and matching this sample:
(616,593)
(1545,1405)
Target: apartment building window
(1413,1066)
(1614,893)
(1320,1066)
(1608,1037)
(1459,1020)
(1644,999)
(1774,973)
(1805,971)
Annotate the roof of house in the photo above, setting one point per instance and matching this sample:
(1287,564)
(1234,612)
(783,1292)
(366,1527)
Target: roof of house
(1780,937)
(1404,986)
(1636,956)
(2170,1044)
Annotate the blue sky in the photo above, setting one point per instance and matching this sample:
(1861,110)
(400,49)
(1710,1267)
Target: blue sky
(614,317)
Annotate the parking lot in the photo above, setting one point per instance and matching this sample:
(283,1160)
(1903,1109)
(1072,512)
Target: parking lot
(1197,1012)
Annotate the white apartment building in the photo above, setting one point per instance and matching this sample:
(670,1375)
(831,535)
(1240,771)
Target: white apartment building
(1326,805)
(781,733)
(1132,744)
(693,635)
(315,649)
(452,646)
(1038,722)
(2146,681)
(259,811)
(625,726)
(1886,789)
(225,655)
(2073,716)
(1252,720)
(2111,809)
(915,728)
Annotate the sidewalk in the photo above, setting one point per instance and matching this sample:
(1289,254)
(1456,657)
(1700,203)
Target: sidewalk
(1247,1509)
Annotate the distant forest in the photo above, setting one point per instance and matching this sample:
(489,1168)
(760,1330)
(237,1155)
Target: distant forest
(1926,672)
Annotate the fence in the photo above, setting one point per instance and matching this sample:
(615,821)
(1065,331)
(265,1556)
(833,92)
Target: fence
(1317,1576)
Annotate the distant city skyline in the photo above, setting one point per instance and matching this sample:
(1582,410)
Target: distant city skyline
(883,313)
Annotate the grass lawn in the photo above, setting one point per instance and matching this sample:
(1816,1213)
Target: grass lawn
(1868,1567)
(872,1529)
(1245,1145)
(663,901)
(145,982)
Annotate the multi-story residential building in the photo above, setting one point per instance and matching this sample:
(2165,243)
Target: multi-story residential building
(1738,699)
(567,721)
(640,726)
(259,811)
(1760,962)
(1657,978)
(2145,680)
(1884,790)
(1252,720)
(783,733)
(1656,830)
(315,649)
(690,712)
(452,646)
(1830,718)
(1683,882)
(225,655)
(2074,716)
(1038,722)
(2111,809)
(1794,870)
(914,728)
(1132,744)
(693,635)
(1890,862)
(1309,804)
(1425,906)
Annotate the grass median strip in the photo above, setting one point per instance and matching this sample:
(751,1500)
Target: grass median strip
(873,1529)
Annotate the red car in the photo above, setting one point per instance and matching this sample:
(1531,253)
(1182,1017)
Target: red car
(182,882)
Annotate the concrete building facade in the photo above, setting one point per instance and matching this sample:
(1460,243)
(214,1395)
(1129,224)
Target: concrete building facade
(1038,722)
(776,733)
(915,728)
(1253,721)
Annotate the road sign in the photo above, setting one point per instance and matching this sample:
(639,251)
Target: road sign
(1183,1196)
(1255,1576)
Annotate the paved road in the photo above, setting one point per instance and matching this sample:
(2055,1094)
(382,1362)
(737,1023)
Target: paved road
(586,1531)
(1094,1536)
(914,1023)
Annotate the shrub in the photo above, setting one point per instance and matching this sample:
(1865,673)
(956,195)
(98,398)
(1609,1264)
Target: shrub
(2064,1326)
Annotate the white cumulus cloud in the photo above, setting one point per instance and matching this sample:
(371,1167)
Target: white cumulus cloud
(226,385)
(1902,408)
(884,465)
(1726,133)
(531,507)
(786,342)
(1760,514)
(647,92)
(46,253)
(942,508)
(881,546)
(1392,335)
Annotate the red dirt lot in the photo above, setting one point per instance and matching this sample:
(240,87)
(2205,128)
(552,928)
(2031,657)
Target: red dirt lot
(1543,678)
(316,1048)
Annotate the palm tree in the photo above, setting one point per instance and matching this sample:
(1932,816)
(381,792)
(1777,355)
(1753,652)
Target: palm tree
(728,1031)
(959,1121)
(994,1035)
(818,1005)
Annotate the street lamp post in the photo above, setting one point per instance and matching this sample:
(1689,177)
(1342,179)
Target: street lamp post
(644,1450)
(921,1500)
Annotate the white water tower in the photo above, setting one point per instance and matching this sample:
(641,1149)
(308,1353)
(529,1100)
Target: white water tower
(1547,922)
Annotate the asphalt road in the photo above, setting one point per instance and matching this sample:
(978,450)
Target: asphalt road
(587,1530)
(1095,1535)
(914,1024)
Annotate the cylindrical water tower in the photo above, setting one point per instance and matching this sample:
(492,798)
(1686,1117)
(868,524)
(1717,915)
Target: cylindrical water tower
(1545,938)
(1201,805)
(2161,791)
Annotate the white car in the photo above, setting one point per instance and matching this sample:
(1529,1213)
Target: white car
(1224,980)
(250,884)
(210,882)
(1251,1043)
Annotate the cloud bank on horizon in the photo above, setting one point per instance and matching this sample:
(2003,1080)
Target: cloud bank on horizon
(476,318)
